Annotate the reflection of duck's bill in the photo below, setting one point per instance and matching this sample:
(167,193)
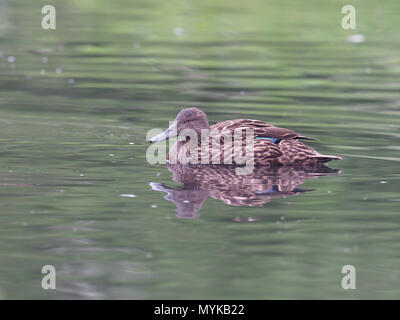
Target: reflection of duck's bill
(160,187)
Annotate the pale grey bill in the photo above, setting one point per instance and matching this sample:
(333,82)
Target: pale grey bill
(170,132)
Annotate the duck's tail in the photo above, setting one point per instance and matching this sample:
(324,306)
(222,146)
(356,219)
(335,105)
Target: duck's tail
(304,138)
(325,158)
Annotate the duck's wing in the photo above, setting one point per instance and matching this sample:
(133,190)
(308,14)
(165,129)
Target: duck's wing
(265,151)
(261,129)
(294,150)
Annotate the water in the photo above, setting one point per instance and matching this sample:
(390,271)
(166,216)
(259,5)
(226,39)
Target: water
(76,191)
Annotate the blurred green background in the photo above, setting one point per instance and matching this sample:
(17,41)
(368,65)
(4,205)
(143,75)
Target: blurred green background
(76,104)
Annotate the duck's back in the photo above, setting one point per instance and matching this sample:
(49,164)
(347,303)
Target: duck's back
(260,129)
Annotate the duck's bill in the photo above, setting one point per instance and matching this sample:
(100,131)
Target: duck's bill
(169,133)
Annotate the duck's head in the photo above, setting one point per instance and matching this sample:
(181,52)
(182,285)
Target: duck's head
(189,118)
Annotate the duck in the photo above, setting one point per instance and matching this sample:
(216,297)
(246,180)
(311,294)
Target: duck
(268,145)
(220,182)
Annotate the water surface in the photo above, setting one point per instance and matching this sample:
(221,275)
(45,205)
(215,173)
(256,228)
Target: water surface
(77,192)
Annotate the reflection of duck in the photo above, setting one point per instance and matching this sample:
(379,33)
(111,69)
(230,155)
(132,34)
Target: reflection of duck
(270,145)
(220,182)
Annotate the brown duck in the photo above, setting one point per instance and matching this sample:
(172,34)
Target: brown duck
(270,145)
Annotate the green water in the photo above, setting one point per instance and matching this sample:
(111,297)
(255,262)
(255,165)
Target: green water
(76,104)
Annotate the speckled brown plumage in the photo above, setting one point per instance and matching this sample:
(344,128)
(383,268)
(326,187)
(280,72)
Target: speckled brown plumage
(264,152)
(285,149)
